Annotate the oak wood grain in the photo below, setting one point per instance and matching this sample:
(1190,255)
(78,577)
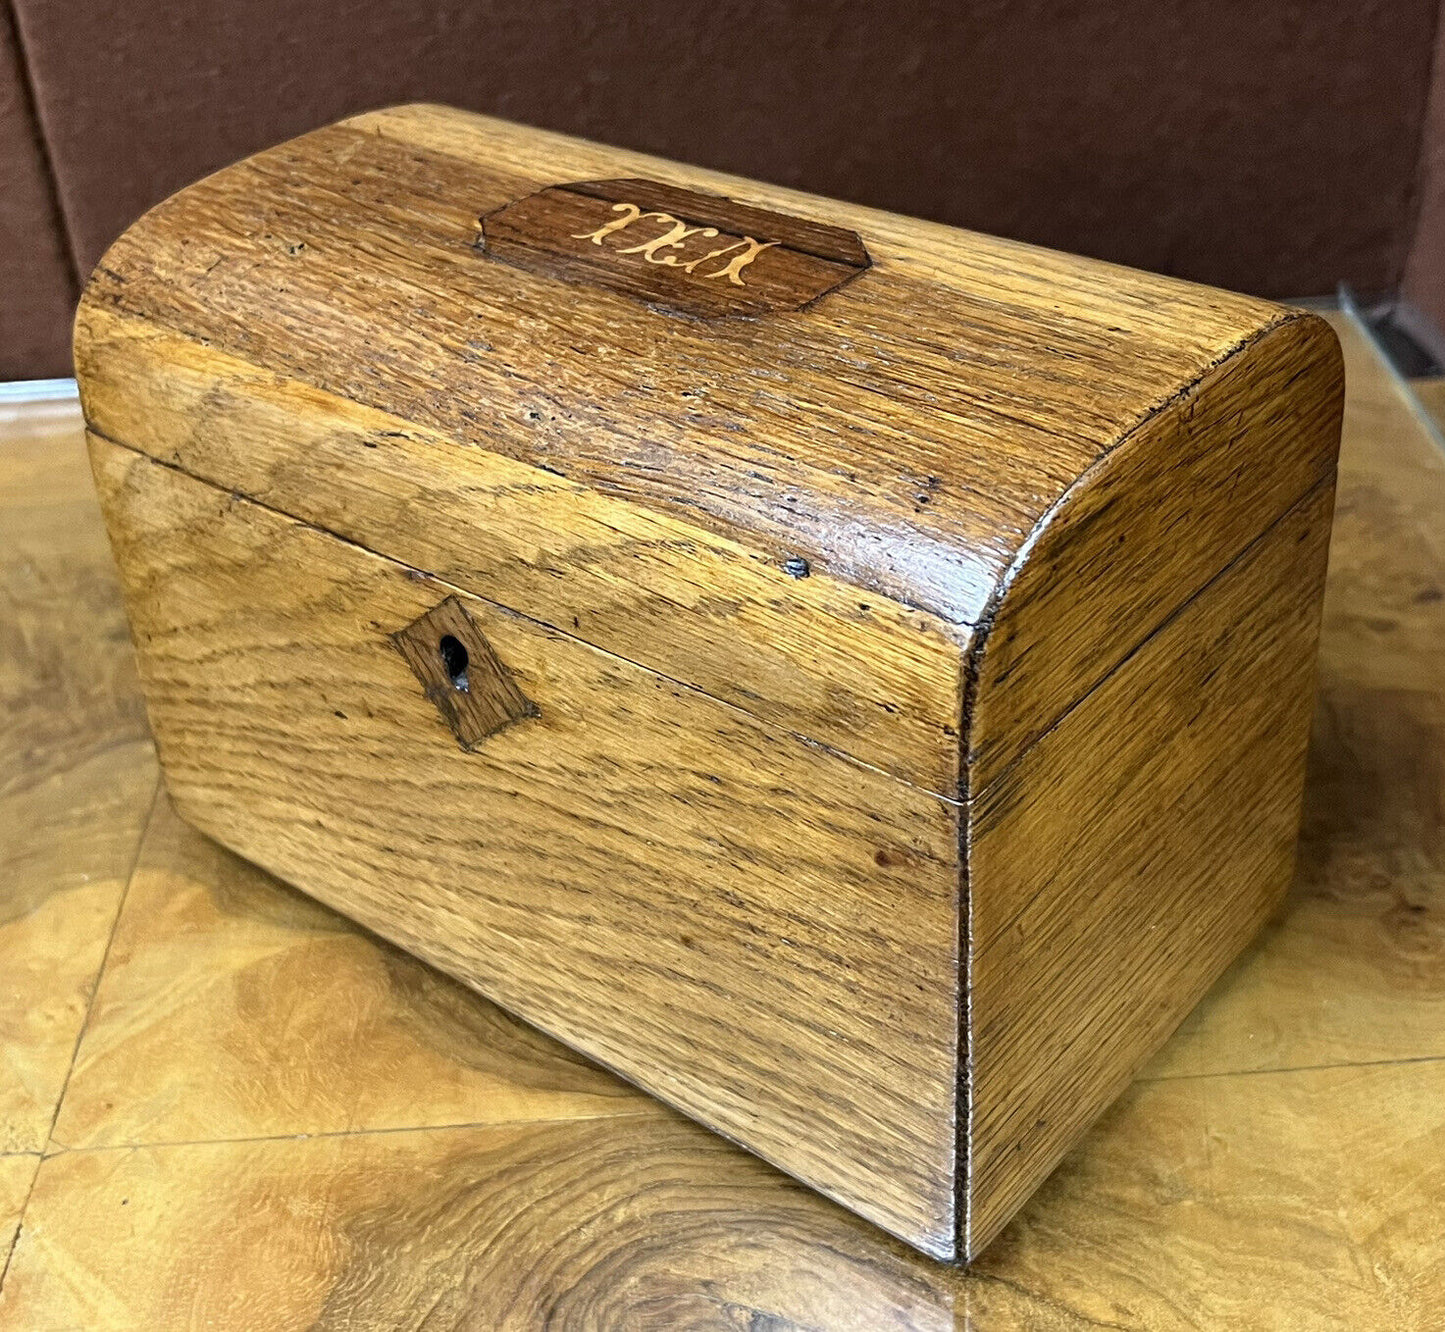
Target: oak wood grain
(1030,485)
(1356,972)
(786,919)
(863,674)
(1133,852)
(1146,528)
(1277,1167)
(904,436)
(234,1007)
(812,433)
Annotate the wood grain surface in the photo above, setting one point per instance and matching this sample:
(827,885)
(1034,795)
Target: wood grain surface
(451,657)
(1163,514)
(746,924)
(865,675)
(1357,975)
(981,374)
(649,1222)
(638,237)
(217,978)
(1278,1165)
(1032,507)
(903,437)
(77,771)
(1096,899)
(17,1175)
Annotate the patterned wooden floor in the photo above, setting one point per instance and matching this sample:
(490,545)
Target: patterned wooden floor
(221,1106)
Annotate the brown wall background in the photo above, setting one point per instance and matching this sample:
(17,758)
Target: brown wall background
(1423,280)
(37,281)
(1275,148)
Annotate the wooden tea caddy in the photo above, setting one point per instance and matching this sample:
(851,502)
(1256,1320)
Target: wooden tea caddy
(849,675)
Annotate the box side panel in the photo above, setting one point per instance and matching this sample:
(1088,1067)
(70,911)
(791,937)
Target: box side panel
(758,931)
(1148,526)
(870,677)
(1122,862)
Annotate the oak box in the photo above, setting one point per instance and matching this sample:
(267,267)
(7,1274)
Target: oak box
(849,675)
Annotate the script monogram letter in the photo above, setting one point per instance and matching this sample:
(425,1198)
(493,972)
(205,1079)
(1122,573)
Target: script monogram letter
(750,251)
(669,240)
(607,228)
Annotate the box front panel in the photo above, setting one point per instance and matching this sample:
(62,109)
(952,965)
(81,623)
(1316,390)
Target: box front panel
(761,932)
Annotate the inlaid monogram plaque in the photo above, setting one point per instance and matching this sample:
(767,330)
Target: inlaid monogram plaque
(676,250)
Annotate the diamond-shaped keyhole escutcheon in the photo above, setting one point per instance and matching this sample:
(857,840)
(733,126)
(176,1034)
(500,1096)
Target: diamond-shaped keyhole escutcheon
(472,690)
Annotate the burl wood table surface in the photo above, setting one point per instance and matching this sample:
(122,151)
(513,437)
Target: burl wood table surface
(222,1106)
